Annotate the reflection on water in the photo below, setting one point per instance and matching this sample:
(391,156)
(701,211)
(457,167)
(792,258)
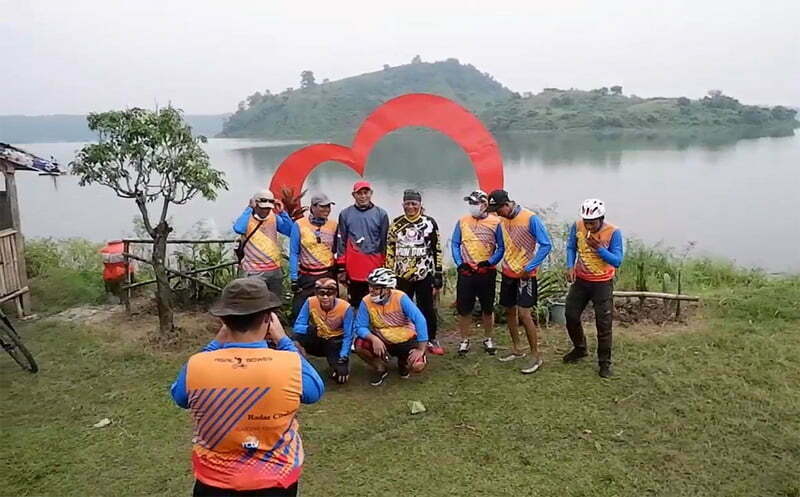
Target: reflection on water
(729,195)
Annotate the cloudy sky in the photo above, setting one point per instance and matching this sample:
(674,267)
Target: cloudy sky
(206,55)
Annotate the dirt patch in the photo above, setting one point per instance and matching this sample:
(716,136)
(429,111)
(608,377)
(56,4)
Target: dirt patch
(194,328)
(632,311)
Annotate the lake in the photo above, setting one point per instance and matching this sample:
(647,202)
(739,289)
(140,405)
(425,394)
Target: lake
(728,196)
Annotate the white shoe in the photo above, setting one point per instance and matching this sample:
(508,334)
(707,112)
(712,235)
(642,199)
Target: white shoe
(488,346)
(533,367)
(511,357)
(463,347)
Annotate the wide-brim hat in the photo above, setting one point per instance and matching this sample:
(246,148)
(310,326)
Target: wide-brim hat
(244,296)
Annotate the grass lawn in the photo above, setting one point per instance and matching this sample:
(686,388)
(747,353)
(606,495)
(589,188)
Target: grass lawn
(712,408)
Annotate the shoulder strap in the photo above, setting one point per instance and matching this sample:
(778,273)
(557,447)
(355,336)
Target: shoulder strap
(253,232)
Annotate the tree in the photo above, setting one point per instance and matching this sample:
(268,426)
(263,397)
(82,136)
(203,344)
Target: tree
(386,67)
(616,90)
(683,101)
(307,79)
(416,60)
(715,93)
(152,158)
(254,99)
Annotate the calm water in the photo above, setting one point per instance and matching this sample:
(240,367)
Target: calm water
(735,198)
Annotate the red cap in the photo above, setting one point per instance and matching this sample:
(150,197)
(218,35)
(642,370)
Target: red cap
(360,185)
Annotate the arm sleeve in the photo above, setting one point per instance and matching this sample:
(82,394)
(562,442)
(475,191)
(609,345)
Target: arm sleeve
(349,334)
(362,325)
(178,390)
(572,246)
(455,245)
(240,226)
(542,240)
(500,246)
(415,315)
(284,224)
(384,231)
(436,244)
(294,251)
(313,386)
(391,244)
(615,251)
(301,323)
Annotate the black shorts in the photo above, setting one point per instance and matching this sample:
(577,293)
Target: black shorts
(329,348)
(516,292)
(203,490)
(400,350)
(470,287)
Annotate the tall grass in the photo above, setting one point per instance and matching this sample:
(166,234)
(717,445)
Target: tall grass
(63,273)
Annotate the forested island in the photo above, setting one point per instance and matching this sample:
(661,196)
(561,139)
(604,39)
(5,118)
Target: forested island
(330,108)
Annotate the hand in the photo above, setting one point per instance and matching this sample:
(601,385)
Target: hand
(275,330)
(379,348)
(342,277)
(252,203)
(595,244)
(295,287)
(465,269)
(484,264)
(416,355)
(278,207)
(223,335)
(341,370)
(571,275)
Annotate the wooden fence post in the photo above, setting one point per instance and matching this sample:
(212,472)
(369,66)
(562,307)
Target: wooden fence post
(24,300)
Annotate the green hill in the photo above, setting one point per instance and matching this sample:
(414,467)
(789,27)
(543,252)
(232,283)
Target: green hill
(328,109)
(324,109)
(555,109)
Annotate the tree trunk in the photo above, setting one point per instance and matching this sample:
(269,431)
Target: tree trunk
(163,290)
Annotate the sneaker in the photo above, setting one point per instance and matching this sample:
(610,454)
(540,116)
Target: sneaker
(378,379)
(434,348)
(511,356)
(533,367)
(575,355)
(605,371)
(463,347)
(488,346)
(404,372)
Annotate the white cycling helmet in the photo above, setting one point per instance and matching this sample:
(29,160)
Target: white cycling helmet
(593,208)
(382,277)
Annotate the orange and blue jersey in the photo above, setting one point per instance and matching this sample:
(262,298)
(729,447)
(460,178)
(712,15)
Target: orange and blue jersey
(244,399)
(521,235)
(338,322)
(263,250)
(311,247)
(476,240)
(396,320)
(595,264)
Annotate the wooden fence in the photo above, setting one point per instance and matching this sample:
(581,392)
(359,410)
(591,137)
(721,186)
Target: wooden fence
(11,284)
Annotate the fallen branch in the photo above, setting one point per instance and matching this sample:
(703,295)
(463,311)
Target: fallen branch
(195,271)
(657,295)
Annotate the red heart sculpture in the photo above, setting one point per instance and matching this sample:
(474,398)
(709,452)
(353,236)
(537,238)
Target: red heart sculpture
(415,109)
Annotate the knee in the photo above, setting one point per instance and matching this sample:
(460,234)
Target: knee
(572,315)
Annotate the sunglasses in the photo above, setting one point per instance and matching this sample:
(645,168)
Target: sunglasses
(326,292)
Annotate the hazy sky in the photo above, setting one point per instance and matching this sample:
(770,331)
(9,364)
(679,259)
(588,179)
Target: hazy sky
(75,56)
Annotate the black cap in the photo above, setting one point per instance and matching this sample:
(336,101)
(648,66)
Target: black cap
(497,199)
(411,194)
